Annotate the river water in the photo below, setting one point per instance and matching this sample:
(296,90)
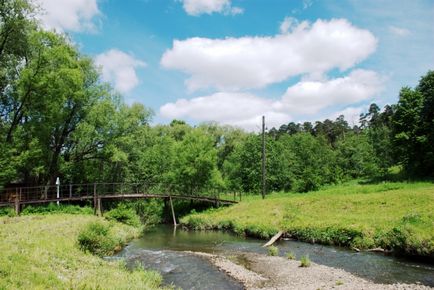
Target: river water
(162,249)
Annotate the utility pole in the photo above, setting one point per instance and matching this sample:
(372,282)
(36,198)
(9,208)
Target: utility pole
(263,158)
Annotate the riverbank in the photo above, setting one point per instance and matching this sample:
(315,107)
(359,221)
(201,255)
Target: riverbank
(41,252)
(391,216)
(266,272)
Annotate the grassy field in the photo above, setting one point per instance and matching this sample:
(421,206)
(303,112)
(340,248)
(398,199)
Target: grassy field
(395,216)
(41,252)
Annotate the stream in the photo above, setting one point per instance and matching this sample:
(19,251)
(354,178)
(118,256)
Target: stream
(162,248)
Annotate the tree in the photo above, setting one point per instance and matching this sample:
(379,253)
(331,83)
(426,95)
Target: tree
(406,129)
(194,169)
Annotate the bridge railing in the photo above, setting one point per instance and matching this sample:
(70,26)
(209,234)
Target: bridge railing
(88,191)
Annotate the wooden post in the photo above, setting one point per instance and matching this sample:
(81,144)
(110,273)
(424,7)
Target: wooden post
(173,211)
(98,207)
(95,201)
(70,191)
(17,202)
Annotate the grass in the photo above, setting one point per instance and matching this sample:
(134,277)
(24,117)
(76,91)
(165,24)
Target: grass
(290,256)
(305,261)
(42,252)
(397,216)
(273,251)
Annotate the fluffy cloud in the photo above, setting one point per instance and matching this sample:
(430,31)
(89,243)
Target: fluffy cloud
(72,15)
(352,114)
(238,109)
(198,7)
(119,68)
(300,101)
(255,62)
(288,24)
(309,97)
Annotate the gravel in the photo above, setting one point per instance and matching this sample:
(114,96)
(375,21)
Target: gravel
(265,272)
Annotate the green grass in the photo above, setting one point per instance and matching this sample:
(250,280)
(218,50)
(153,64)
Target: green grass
(305,261)
(397,216)
(42,252)
(290,256)
(273,251)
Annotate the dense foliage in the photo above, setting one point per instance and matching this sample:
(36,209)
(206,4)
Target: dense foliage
(57,118)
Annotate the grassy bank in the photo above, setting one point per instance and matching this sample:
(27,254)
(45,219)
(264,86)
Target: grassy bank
(42,252)
(394,216)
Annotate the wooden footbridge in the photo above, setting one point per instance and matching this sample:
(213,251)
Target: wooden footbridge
(97,192)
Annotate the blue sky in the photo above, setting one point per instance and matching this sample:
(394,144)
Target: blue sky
(233,61)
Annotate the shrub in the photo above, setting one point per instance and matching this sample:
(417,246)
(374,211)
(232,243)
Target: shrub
(150,211)
(290,255)
(125,215)
(96,238)
(7,211)
(305,261)
(54,208)
(273,251)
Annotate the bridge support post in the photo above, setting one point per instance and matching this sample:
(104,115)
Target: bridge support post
(17,205)
(98,207)
(173,211)
(95,200)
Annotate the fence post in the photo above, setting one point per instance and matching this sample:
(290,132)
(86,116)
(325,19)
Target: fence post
(70,190)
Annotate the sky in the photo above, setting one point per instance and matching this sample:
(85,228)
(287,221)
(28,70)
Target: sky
(232,61)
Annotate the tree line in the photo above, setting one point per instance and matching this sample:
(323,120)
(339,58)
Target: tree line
(57,118)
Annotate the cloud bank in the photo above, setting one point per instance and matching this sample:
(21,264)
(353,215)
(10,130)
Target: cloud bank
(255,62)
(301,100)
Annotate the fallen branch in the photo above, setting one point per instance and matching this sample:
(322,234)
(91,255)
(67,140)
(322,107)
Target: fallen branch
(273,239)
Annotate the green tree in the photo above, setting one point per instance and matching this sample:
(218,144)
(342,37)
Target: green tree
(195,168)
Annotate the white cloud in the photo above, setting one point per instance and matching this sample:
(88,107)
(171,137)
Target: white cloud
(310,97)
(288,24)
(237,109)
(119,68)
(255,62)
(198,7)
(301,101)
(399,31)
(72,15)
(352,114)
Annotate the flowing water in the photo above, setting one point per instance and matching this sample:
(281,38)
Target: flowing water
(162,249)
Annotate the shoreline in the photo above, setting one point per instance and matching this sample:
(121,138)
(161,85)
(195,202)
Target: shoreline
(255,271)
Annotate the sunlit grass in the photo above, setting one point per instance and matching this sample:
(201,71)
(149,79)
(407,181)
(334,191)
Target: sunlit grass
(398,216)
(41,252)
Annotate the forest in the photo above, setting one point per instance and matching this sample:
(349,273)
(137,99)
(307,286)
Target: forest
(58,119)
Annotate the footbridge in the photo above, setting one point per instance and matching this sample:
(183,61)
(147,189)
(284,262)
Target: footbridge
(97,192)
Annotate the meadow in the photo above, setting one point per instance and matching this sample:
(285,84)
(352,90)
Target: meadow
(396,216)
(42,252)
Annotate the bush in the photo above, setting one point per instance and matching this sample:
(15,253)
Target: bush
(97,239)
(273,251)
(125,215)
(150,211)
(305,261)
(7,211)
(52,208)
(290,256)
